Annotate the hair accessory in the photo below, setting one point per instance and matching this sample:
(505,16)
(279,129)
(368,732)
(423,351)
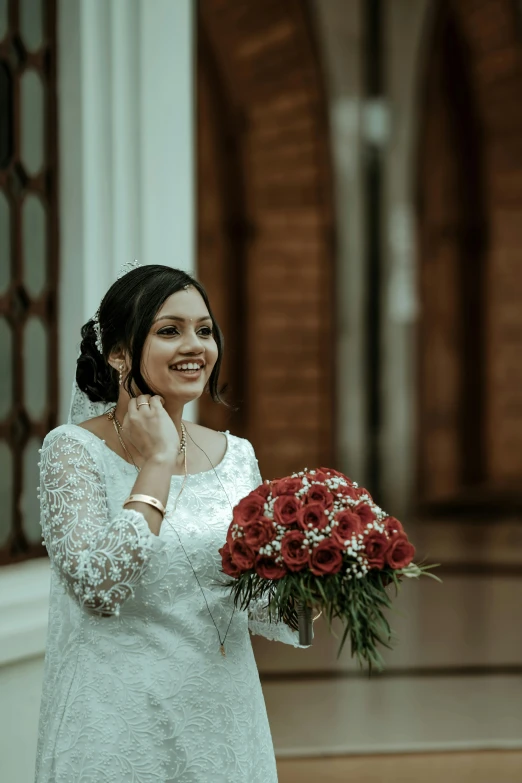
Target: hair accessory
(97,330)
(128,266)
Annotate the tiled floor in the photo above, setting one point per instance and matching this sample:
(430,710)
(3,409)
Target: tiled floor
(480,767)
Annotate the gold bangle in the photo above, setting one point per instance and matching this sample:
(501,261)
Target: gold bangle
(146,499)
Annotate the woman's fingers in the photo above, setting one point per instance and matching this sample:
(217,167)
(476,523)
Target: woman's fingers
(142,403)
(156,402)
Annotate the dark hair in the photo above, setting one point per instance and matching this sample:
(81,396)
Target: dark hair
(125,316)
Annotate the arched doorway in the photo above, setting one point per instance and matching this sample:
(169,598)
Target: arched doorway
(452,247)
(470,233)
(265,226)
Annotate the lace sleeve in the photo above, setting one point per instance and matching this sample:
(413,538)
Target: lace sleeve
(100,560)
(258,618)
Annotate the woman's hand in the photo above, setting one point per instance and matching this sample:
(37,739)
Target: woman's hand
(150,428)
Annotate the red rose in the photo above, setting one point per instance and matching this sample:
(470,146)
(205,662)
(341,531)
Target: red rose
(333,472)
(400,552)
(318,493)
(347,492)
(349,524)
(360,491)
(263,490)
(325,558)
(294,554)
(376,546)
(267,568)
(393,526)
(312,516)
(286,508)
(258,533)
(227,565)
(365,514)
(241,554)
(319,475)
(230,540)
(249,508)
(286,486)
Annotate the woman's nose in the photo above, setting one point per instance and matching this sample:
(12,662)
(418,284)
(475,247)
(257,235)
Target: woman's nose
(192,342)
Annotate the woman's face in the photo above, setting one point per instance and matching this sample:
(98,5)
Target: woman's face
(180,352)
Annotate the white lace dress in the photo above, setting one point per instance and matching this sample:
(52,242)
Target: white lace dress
(135,688)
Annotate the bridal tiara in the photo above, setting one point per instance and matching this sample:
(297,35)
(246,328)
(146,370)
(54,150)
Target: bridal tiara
(128,266)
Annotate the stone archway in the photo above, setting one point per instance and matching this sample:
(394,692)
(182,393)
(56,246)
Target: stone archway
(268,234)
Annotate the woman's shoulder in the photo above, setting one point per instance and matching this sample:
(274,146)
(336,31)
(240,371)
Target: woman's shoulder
(219,441)
(72,436)
(215,436)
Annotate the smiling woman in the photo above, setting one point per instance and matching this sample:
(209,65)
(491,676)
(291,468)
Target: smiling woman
(135,505)
(196,333)
(136,310)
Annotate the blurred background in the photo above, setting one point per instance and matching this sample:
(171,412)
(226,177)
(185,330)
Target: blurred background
(345,177)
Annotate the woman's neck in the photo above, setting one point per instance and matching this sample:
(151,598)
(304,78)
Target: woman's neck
(174,410)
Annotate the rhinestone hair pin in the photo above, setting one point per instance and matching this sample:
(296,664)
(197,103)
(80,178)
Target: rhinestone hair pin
(128,266)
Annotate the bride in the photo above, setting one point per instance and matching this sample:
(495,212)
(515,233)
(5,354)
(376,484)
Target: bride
(149,671)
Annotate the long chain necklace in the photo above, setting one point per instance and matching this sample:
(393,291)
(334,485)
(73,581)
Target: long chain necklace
(111,415)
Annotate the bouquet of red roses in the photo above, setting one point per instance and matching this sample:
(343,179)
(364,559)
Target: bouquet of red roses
(317,539)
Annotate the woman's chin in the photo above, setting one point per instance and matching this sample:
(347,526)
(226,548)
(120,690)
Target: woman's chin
(181,392)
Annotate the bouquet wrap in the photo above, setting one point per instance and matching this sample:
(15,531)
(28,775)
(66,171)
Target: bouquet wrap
(304,615)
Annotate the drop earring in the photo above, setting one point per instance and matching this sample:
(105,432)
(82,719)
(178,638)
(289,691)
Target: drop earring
(120,372)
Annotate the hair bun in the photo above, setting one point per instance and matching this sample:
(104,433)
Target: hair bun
(94,375)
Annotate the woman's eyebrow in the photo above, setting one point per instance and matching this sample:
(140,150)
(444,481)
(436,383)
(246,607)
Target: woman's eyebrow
(183,320)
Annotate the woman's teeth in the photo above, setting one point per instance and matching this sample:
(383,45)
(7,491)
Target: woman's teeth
(189,367)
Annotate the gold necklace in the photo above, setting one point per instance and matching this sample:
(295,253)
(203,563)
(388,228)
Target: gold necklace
(111,415)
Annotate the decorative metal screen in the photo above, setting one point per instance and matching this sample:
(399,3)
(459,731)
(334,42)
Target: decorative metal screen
(28,264)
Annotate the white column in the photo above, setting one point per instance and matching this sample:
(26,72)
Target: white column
(125,100)
(340,30)
(126,133)
(167,167)
(96,147)
(406,40)
(167,131)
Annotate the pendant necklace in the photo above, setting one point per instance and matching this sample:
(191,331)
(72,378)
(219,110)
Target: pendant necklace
(111,415)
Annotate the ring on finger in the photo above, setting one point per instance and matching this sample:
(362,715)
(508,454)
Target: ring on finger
(143,403)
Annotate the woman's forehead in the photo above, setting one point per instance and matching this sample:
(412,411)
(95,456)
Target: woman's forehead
(188,304)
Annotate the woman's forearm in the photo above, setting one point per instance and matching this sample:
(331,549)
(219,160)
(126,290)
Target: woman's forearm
(153,479)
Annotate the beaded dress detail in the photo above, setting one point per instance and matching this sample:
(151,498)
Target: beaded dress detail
(135,689)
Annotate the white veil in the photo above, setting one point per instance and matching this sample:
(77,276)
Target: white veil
(82,408)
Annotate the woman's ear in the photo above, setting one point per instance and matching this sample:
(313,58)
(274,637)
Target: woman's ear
(116,358)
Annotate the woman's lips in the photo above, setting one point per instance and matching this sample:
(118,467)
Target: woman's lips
(188,374)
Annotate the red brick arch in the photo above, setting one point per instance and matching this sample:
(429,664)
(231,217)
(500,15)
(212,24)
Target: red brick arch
(470,198)
(265,225)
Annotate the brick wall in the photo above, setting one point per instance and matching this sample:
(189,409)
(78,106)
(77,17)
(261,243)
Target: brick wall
(266,60)
(494,34)
(470,198)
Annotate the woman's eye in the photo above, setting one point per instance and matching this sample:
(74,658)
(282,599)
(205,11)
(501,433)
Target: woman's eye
(169,330)
(206,331)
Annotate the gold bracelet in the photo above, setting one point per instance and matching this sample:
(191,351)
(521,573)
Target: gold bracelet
(146,499)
